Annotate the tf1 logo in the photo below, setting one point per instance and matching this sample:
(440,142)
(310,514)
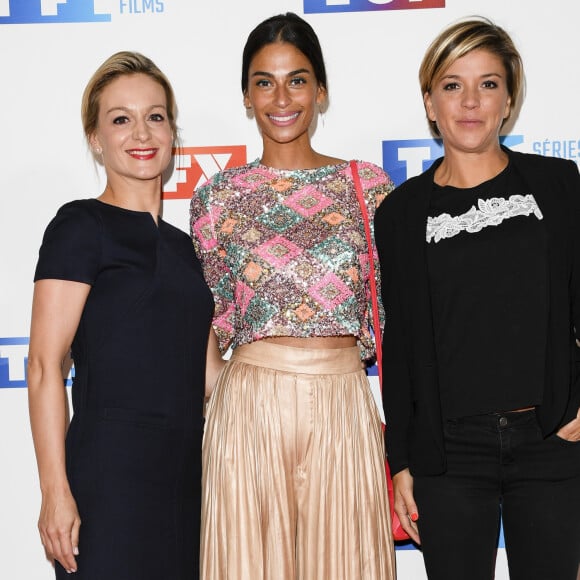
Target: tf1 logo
(192,166)
(49,11)
(317,6)
(59,11)
(13,360)
(406,158)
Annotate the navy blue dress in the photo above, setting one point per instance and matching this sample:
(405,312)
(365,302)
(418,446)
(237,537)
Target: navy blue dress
(133,449)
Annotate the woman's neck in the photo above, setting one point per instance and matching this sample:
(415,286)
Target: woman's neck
(142,196)
(291,156)
(464,170)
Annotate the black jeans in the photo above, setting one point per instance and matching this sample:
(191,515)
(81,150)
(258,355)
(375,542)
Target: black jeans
(499,465)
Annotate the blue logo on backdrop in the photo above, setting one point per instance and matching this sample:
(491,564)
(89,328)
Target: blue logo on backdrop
(565,148)
(409,157)
(317,6)
(13,361)
(52,11)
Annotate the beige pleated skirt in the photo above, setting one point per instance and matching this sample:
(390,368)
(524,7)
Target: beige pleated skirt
(294,481)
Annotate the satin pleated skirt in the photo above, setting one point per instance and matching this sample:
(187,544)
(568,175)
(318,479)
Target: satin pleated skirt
(294,483)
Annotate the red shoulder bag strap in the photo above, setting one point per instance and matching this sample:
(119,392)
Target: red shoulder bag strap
(373,278)
(399,533)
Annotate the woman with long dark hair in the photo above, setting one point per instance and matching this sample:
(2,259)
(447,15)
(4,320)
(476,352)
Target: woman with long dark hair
(293,461)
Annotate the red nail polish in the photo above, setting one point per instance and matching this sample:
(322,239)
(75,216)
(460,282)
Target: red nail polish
(414,516)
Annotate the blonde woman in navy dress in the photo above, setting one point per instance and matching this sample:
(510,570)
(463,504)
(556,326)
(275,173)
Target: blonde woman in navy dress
(294,481)
(121,497)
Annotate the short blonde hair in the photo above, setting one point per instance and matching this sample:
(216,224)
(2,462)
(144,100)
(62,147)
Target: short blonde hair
(463,37)
(121,64)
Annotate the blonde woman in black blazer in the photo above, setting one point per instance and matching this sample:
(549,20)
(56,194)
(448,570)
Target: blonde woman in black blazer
(480,265)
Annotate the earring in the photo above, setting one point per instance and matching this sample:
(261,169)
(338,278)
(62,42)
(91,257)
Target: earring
(98,151)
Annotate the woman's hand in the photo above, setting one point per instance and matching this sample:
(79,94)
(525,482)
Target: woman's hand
(59,525)
(405,505)
(571,431)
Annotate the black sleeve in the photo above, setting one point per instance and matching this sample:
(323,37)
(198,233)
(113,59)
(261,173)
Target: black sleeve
(574,180)
(397,389)
(71,246)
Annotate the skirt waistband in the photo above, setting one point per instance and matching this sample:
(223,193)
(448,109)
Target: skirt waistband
(310,361)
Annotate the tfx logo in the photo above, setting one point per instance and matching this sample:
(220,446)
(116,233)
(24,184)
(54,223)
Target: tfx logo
(317,6)
(409,157)
(192,166)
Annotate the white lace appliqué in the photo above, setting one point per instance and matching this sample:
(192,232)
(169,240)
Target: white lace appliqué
(490,212)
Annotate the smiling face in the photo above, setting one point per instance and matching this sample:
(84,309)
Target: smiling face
(469,103)
(133,133)
(284,94)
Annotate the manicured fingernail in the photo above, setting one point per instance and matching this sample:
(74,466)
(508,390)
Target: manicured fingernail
(75,551)
(414,516)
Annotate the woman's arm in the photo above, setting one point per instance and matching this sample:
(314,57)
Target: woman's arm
(397,401)
(56,311)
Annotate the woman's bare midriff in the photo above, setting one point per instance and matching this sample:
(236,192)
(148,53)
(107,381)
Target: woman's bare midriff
(314,341)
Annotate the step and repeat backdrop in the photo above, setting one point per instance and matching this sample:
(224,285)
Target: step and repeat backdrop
(372,48)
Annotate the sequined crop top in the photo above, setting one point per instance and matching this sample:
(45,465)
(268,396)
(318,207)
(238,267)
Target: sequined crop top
(284,251)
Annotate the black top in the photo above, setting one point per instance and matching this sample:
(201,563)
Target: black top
(486,254)
(411,393)
(133,448)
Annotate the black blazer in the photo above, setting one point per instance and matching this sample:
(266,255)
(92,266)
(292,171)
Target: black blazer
(411,401)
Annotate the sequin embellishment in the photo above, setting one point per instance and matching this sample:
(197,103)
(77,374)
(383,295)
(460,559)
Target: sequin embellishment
(284,252)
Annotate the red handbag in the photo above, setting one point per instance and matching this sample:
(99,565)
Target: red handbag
(399,534)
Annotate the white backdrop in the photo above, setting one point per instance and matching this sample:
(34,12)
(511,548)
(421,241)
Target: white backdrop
(375,113)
